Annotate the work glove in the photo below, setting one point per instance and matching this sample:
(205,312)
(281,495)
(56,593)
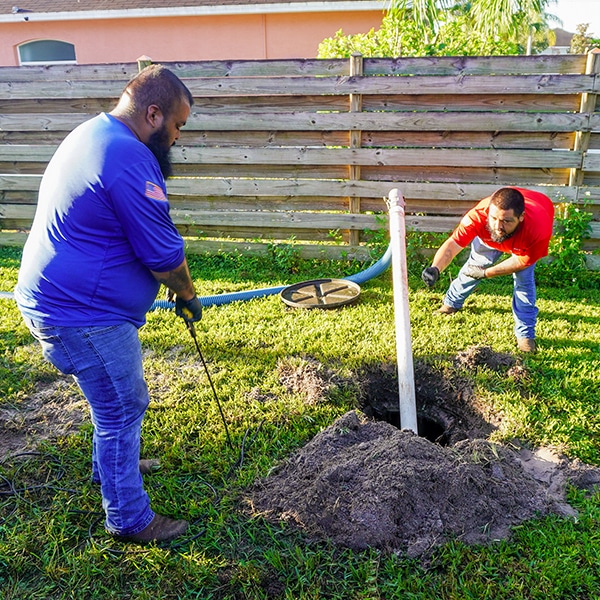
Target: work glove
(189,310)
(430,275)
(474,271)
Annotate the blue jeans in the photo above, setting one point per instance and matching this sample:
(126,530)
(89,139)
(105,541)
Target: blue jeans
(524,309)
(106,363)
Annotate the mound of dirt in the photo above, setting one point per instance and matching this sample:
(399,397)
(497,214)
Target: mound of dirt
(362,483)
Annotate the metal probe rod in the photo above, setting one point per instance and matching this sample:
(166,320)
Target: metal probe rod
(192,331)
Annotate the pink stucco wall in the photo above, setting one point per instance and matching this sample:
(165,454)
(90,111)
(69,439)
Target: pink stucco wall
(189,38)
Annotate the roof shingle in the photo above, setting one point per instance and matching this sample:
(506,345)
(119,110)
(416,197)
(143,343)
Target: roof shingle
(54,6)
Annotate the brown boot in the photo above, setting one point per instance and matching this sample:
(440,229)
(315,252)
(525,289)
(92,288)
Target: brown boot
(447,310)
(160,529)
(526,344)
(149,465)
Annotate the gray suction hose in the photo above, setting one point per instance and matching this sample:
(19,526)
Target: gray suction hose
(373,271)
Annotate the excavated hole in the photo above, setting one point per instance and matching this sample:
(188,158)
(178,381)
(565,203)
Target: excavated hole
(447,409)
(432,429)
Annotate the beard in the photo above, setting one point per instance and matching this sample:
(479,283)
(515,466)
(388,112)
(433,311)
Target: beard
(498,238)
(158,144)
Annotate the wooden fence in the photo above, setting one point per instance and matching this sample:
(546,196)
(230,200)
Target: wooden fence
(306,150)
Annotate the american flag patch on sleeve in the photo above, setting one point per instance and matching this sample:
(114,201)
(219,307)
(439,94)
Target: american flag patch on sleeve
(154,191)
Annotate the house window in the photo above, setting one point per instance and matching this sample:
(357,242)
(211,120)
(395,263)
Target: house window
(46,52)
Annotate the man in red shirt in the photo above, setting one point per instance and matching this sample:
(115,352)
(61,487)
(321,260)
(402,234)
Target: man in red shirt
(512,220)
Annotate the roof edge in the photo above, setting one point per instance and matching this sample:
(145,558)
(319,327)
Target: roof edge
(212,10)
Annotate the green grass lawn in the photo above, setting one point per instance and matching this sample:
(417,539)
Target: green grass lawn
(52,543)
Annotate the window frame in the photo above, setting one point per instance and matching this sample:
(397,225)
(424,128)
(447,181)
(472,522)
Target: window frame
(33,63)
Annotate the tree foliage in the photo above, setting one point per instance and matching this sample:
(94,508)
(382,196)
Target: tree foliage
(398,37)
(581,42)
(450,28)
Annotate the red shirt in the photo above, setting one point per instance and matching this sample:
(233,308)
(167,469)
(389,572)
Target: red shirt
(530,241)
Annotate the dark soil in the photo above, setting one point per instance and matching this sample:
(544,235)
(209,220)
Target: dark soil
(363,482)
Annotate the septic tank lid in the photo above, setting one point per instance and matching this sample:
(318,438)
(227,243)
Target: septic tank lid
(321,293)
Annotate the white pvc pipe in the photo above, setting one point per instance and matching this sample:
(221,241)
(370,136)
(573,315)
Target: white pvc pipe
(406,377)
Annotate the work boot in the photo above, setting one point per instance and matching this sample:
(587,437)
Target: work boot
(447,310)
(149,465)
(160,529)
(526,344)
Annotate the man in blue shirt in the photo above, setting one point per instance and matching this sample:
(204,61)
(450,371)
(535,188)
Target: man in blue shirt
(101,243)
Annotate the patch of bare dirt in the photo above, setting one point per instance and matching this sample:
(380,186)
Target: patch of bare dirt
(54,410)
(300,375)
(362,482)
(307,376)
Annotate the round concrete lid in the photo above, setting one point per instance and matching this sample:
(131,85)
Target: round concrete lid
(320,293)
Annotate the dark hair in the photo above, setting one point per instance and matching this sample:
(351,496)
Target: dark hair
(156,85)
(509,199)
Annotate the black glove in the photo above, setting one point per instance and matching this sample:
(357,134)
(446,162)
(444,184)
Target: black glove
(474,271)
(189,310)
(430,275)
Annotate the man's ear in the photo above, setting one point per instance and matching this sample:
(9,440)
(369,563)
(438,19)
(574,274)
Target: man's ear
(154,116)
(521,217)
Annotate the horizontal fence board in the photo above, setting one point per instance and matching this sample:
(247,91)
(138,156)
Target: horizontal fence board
(463,175)
(592,179)
(260,171)
(209,68)
(267,103)
(309,251)
(218,86)
(474,102)
(281,234)
(476,65)
(260,68)
(56,105)
(258,203)
(42,122)
(395,121)
(444,65)
(311,203)
(472,84)
(43,73)
(263,139)
(330,188)
(544,159)
(336,121)
(371,103)
(591,161)
(471,139)
(493,175)
(29,153)
(282,219)
(413,139)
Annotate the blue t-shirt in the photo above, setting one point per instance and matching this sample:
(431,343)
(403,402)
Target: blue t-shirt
(102,224)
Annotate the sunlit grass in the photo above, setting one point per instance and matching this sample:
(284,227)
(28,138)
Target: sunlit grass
(50,547)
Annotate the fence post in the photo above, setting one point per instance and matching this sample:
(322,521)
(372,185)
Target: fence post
(587,105)
(143,62)
(355,141)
